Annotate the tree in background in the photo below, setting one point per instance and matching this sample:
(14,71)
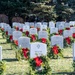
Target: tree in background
(37,8)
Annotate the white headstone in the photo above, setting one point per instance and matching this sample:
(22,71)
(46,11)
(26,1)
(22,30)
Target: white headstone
(7,27)
(51,24)
(21,26)
(38,24)
(24,42)
(31,24)
(26,23)
(44,23)
(59,23)
(61,26)
(33,31)
(43,27)
(15,24)
(72,29)
(26,28)
(0,53)
(67,25)
(16,35)
(71,23)
(3,25)
(67,33)
(38,49)
(73,51)
(53,30)
(57,40)
(43,34)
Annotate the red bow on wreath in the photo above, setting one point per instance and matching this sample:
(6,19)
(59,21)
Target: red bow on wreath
(60,32)
(16,42)
(6,32)
(38,61)
(73,35)
(21,30)
(43,40)
(33,37)
(11,37)
(38,29)
(67,28)
(27,33)
(68,40)
(25,52)
(55,49)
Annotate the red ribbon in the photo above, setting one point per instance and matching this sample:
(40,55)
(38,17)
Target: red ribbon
(43,40)
(25,51)
(68,40)
(33,37)
(55,49)
(60,32)
(21,30)
(11,37)
(38,29)
(73,35)
(2,29)
(6,32)
(38,61)
(16,42)
(27,33)
(67,28)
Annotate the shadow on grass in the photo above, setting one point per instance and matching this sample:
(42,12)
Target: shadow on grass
(67,57)
(10,60)
(64,73)
(8,49)
(20,73)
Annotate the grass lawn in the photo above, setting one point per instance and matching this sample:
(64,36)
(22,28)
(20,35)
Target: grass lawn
(14,67)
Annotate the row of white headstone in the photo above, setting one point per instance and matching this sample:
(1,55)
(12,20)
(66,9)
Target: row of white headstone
(17,35)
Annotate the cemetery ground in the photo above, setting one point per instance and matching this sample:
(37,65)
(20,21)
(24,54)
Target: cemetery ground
(61,66)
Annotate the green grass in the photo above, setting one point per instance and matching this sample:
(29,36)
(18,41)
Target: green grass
(14,67)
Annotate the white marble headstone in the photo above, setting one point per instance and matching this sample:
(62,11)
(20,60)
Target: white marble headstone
(53,30)
(71,23)
(0,53)
(26,28)
(16,35)
(43,27)
(72,29)
(26,23)
(44,23)
(31,24)
(59,23)
(33,31)
(7,27)
(24,42)
(43,34)
(57,40)
(51,24)
(67,33)
(61,26)
(73,47)
(38,24)
(38,49)
(15,24)
(67,25)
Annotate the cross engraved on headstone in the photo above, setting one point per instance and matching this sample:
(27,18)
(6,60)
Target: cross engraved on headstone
(38,46)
